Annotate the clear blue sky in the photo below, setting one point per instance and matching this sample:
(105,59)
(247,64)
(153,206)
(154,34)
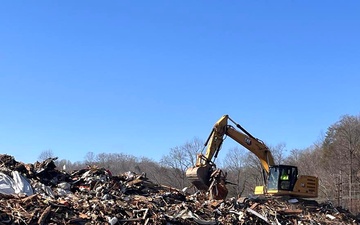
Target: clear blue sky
(141,77)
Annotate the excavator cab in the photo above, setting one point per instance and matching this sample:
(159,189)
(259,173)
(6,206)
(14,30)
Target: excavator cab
(282,177)
(284,180)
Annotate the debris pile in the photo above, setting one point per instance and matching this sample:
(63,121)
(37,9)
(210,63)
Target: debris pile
(40,194)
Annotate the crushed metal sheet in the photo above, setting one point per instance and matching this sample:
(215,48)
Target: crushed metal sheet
(257,214)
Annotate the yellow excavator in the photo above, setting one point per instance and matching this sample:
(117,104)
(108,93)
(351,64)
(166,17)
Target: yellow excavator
(282,180)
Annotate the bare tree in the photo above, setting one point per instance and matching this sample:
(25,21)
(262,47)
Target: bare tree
(152,169)
(64,164)
(45,155)
(278,152)
(234,164)
(341,150)
(90,158)
(335,160)
(254,172)
(180,159)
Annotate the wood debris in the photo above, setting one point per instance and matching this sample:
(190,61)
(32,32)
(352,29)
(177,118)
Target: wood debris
(95,196)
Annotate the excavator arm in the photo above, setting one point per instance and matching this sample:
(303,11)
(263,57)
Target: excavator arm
(243,137)
(253,144)
(201,175)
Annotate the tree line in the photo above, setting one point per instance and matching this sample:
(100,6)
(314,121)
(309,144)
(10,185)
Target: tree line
(335,160)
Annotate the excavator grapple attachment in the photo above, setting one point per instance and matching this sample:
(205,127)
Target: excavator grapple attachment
(218,189)
(199,177)
(205,179)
